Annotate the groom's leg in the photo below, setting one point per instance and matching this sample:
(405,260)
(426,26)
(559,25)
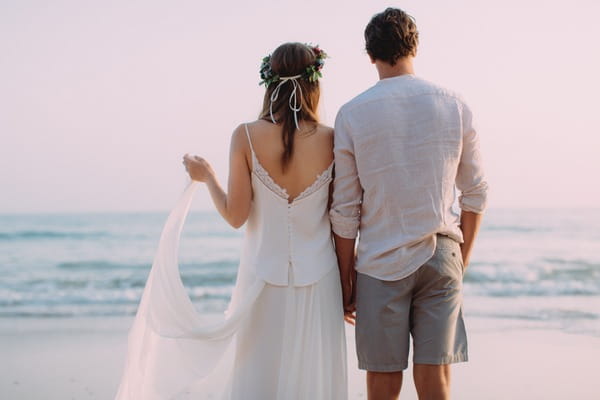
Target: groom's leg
(383,332)
(432,381)
(438,329)
(383,385)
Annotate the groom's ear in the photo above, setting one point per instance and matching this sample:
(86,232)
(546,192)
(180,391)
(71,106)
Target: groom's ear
(372,60)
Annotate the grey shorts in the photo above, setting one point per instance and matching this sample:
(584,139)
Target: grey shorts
(426,304)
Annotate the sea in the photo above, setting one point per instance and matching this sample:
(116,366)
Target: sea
(533,268)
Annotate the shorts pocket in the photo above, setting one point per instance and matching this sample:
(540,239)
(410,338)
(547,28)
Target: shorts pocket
(450,257)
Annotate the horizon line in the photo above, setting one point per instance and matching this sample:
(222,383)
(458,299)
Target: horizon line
(214,211)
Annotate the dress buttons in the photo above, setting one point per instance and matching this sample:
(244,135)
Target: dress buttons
(289,226)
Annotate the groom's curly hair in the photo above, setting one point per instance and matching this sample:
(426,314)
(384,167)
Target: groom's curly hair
(391,35)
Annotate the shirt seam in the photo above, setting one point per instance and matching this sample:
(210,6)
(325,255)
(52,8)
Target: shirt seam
(348,107)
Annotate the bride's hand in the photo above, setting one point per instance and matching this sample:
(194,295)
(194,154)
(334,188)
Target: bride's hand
(198,168)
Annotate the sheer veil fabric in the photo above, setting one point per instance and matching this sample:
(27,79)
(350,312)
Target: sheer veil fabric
(169,345)
(285,342)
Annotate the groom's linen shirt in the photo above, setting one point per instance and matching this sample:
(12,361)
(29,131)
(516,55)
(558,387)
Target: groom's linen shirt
(402,148)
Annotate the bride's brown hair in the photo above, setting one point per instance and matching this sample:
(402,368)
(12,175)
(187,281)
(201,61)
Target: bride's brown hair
(291,59)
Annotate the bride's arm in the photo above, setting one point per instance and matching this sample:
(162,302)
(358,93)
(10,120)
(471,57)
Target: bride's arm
(234,206)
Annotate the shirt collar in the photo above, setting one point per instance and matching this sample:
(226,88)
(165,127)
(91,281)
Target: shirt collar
(395,78)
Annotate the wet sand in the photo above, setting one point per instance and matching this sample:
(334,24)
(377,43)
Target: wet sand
(83,359)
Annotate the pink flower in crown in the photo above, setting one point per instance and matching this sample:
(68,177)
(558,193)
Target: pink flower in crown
(320,55)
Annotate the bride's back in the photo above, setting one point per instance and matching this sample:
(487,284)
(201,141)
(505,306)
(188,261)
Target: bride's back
(288,233)
(312,154)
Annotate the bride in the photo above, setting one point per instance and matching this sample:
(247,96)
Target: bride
(285,323)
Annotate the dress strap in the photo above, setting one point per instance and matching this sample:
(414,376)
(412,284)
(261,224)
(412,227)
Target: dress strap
(252,153)
(249,141)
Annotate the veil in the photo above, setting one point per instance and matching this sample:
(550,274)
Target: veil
(170,345)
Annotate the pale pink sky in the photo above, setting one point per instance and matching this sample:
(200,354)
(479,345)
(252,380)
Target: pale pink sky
(99,100)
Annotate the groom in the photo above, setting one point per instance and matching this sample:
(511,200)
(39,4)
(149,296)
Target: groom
(401,149)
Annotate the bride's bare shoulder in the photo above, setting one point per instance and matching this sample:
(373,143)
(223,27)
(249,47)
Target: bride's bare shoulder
(260,125)
(326,132)
(325,129)
(240,133)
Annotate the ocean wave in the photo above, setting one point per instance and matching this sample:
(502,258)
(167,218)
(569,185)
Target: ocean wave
(540,315)
(36,235)
(100,265)
(104,265)
(572,262)
(61,314)
(213,279)
(516,228)
(203,302)
(532,276)
(534,289)
(544,276)
(107,294)
(223,278)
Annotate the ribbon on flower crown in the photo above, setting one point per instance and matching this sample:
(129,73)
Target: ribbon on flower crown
(293,100)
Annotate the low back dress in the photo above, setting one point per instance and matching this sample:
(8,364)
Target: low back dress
(283,331)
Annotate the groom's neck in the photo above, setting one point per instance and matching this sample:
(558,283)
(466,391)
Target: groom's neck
(402,67)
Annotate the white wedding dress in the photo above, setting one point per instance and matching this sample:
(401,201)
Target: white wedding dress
(283,329)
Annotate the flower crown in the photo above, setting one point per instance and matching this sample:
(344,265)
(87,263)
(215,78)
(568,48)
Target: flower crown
(312,73)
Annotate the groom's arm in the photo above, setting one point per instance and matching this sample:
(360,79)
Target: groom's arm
(345,208)
(345,252)
(470,180)
(469,225)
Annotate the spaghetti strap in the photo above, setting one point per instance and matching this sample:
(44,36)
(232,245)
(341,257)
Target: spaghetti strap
(249,141)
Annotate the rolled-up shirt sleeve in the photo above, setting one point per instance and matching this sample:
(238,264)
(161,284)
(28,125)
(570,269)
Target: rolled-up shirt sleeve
(347,190)
(470,178)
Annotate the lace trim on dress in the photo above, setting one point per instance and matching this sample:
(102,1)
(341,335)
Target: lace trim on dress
(264,176)
(321,180)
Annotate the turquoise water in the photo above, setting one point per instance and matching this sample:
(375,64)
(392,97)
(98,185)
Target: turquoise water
(541,267)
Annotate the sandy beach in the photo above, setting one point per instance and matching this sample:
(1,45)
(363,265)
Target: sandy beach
(72,358)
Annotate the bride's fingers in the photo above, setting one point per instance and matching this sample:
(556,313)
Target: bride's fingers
(351,319)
